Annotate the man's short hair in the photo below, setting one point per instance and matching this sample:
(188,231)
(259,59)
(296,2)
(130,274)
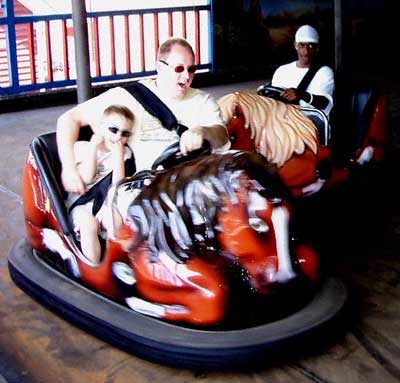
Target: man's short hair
(167,45)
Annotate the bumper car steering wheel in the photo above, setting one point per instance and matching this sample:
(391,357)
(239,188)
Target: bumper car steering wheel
(272,92)
(171,155)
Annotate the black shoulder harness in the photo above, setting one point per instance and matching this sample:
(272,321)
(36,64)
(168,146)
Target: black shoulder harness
(308,77)
(155,107)
(99,191)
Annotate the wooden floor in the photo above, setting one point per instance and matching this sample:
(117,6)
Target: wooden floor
(360,243)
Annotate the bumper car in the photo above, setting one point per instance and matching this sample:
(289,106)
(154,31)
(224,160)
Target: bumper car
(311,153)
(205,273)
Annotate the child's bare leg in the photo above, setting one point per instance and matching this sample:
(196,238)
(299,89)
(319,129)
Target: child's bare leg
(90,243)
(112,219)
(111,222)
(117,221)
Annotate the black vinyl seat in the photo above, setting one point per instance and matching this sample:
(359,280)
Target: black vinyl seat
(363,102)
(351,118)
(45,153)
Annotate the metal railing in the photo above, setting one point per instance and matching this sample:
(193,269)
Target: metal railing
(39,50)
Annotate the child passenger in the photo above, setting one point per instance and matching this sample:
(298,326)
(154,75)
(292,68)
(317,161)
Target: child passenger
(104,155)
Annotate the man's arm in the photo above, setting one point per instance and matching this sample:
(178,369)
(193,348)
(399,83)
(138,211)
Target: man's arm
(68,126)
(317,101)
(193,138)
(217,135)
(210,126)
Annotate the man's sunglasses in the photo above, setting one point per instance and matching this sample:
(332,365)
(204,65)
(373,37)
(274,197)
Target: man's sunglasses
(309,45)
(115,130)
(180,68)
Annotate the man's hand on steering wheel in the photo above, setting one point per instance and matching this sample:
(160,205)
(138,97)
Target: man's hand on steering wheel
(191,145)
(291,95)
(191,140)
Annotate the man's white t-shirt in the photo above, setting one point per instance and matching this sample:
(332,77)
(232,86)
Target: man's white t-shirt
(323,83)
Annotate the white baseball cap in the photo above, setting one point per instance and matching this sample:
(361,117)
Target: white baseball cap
(307,34)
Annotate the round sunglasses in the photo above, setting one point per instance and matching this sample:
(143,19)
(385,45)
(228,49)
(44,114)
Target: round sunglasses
(115,130)
(180,68)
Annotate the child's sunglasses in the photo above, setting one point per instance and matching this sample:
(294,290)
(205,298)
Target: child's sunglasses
(115,130)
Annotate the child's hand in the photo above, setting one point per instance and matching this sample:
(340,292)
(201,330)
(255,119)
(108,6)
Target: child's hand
(97,139)
(117,149)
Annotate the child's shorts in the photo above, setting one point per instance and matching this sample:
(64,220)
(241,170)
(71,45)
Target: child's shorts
(102,217)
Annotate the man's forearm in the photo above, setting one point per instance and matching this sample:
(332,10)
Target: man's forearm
(317,101)
(67,134)
(216,135)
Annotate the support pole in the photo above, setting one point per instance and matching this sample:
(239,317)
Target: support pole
(338,36)
(83,79)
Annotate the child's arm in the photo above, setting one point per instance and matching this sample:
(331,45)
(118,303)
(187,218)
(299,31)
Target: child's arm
(87,167)
(118,151)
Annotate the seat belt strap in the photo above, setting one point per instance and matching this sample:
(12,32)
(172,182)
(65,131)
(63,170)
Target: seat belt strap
(308,77)
(152,104)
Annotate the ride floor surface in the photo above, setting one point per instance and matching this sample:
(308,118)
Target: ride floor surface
(357,230)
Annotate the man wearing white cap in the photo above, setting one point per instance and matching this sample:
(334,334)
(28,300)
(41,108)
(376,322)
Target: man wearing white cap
(317,90)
